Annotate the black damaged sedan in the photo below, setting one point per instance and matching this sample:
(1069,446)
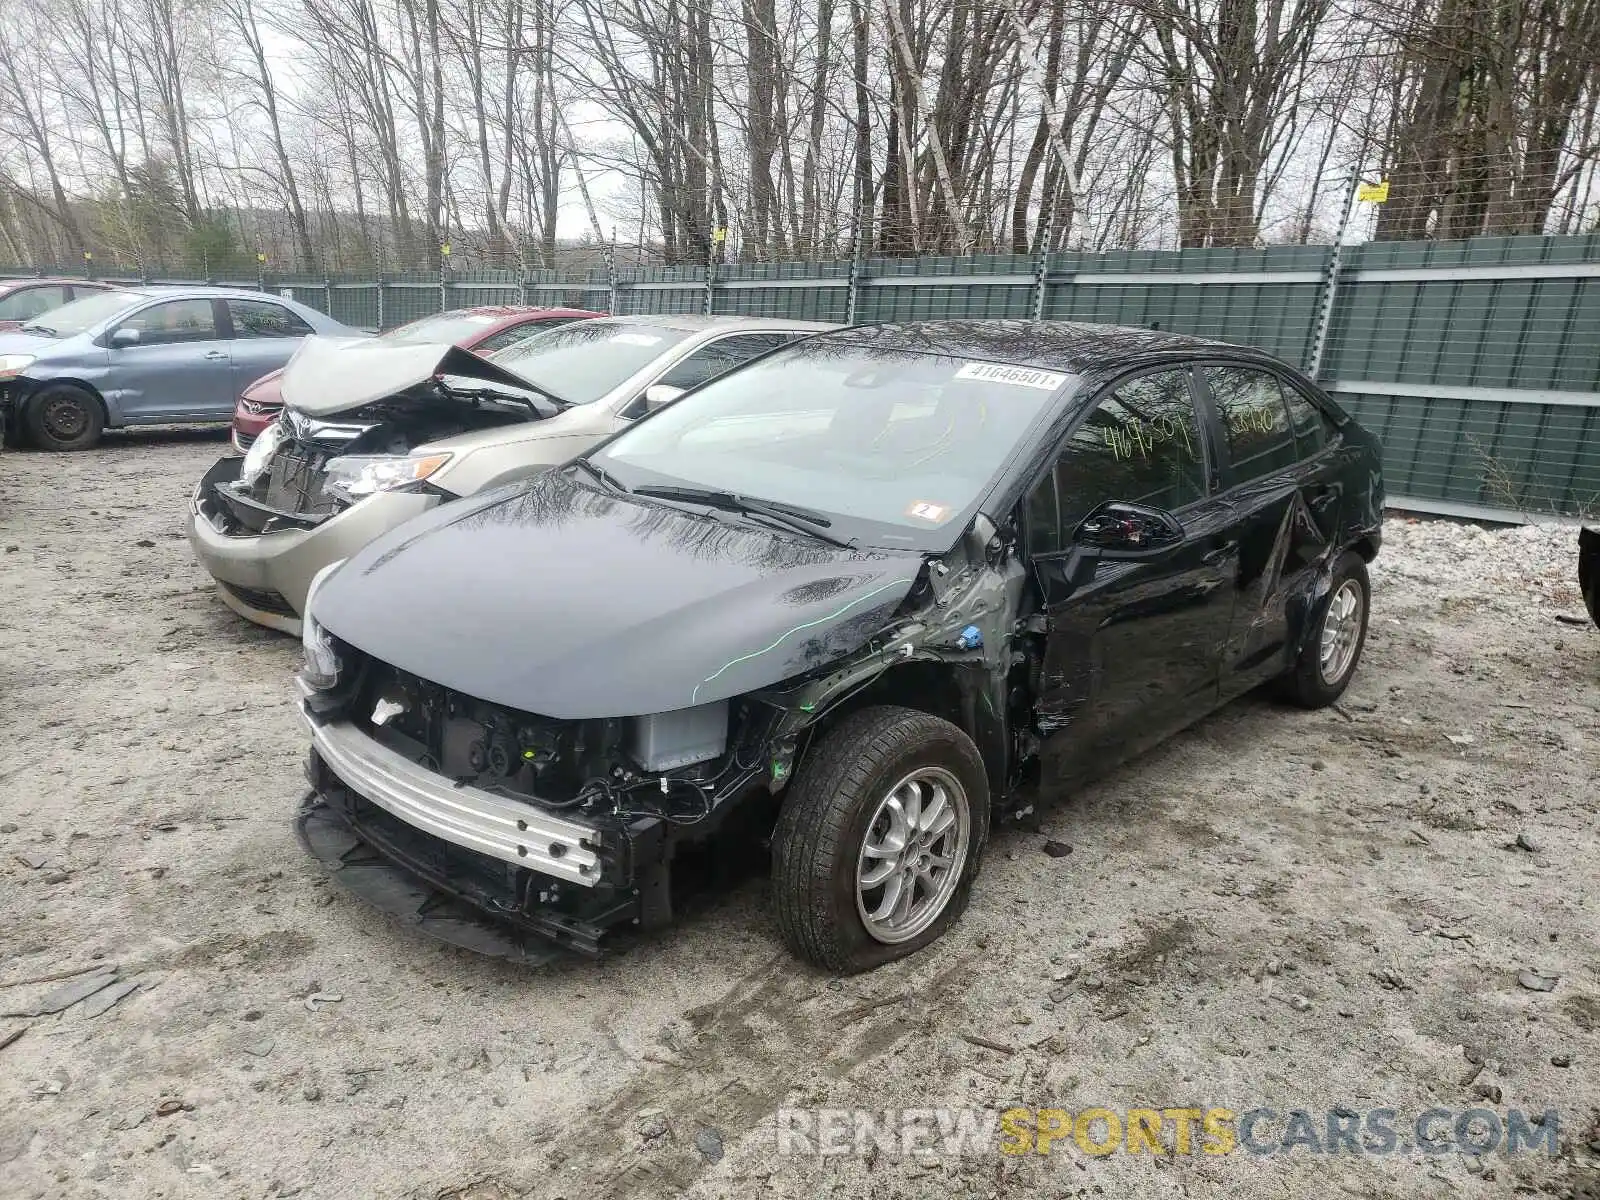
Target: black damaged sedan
(856,601)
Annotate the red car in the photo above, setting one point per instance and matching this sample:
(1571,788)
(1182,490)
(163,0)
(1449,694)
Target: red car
(484,329)
(24,299)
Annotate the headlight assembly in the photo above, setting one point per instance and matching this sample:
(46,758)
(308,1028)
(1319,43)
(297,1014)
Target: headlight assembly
(12,365)
(260,453)
(323,665)
(355,477)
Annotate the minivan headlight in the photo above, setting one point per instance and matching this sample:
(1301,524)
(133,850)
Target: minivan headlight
(260,453)
(357,476)
(323,664)
(12,365)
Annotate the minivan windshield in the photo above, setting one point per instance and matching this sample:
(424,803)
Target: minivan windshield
(83,314)
(893,445)
(585,360)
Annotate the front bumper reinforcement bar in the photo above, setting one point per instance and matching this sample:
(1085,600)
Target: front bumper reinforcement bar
(465,816)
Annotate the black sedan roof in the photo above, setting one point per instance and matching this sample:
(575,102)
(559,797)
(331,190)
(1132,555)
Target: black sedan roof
(1077,347)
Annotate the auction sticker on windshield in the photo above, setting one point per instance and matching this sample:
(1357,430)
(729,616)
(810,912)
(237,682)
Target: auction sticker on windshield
(1045,381)
(924,510)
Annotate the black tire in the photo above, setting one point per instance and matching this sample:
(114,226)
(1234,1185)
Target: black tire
(63,416)
(1307,684)
(826,818)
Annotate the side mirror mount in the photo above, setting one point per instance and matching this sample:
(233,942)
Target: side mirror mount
(1128,529)
(659,395)
(125,336)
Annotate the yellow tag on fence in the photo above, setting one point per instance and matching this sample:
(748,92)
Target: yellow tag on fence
(1373,193)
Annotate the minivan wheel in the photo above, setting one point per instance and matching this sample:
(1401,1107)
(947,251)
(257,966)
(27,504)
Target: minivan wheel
(879,838)
(64,417)
(1334,638)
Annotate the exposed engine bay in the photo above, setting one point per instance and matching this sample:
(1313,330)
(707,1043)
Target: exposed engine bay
(284,479)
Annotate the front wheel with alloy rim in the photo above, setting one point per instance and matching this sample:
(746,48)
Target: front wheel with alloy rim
(1334,639)
(64,417)
(879,839)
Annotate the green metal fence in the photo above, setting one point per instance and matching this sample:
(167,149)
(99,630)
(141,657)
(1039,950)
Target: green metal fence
(1477,362)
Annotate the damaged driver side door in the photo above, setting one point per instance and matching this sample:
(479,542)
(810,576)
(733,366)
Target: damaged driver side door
(1134,559)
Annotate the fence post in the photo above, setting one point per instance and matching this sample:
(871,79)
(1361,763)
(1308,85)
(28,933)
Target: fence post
(1041,258)
(443,305)
(853,279)
(1330,281)
(327,295)
(380,301)
(711,278)
(611,275)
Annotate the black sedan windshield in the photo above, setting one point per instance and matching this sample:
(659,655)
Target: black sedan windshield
(893,445)
(585,360)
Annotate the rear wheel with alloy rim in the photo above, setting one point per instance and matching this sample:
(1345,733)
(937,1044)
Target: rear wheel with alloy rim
(879,839)
(62,416)
(1334,639)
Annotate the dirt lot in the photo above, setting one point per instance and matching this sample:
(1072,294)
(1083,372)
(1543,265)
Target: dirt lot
(1278,908)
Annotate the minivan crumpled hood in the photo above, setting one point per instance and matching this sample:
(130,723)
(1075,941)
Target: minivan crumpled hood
(558,599)
(334,375)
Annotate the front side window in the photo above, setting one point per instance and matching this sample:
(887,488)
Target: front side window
(263,319)
(895,446)
(174,321)
(30,302)
(1250,405)
(1139,445)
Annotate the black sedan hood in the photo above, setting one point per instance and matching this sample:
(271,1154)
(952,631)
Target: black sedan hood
(570,602)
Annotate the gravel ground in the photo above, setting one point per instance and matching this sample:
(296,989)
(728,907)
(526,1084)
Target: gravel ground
(1299,910)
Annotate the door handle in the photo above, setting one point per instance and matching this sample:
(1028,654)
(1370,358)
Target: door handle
(1221,554)
(216,355)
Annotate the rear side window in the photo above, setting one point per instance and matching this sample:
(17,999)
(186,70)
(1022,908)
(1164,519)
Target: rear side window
(1140,445)
(1250,404)
(261,319)
(1309,423)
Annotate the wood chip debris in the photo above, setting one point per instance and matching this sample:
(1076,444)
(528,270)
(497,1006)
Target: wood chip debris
(974,1040)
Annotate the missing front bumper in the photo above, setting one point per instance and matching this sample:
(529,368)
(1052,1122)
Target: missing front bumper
(447,860)
(410,896)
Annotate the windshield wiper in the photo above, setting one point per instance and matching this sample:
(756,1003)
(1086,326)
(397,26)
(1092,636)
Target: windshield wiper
(792,516)
(31,327)
(600,473)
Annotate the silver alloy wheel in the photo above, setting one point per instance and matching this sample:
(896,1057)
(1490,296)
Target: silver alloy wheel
(1341,631)
(913,855)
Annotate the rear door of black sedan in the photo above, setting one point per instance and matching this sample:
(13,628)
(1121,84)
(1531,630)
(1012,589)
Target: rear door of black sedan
(1279,473)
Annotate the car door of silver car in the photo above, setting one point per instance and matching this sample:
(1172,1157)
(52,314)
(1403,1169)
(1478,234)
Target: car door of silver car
(169,361)
(265,337)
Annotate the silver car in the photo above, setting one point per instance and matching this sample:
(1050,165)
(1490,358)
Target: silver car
(145,356)
(372,435)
